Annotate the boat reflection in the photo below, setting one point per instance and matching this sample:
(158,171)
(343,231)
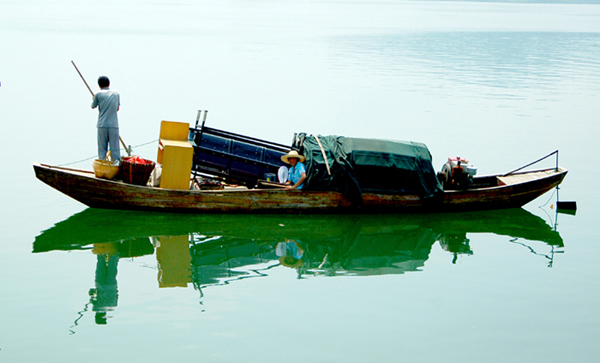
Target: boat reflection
(213,250)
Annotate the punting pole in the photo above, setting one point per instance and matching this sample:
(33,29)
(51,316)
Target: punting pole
(83,79)
(128,149)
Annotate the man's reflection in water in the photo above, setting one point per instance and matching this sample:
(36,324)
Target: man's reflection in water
(290,253)
(104,296)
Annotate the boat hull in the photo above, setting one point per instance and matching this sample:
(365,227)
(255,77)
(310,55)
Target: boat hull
(95,192)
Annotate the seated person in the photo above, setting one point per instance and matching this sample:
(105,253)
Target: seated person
(297,170)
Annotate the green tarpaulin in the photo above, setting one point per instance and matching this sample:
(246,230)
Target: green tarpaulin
(366,165)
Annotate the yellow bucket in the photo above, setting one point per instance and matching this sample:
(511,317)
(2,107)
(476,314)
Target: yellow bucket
(105,168)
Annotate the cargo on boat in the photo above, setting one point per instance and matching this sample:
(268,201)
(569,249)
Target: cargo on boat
(207,170)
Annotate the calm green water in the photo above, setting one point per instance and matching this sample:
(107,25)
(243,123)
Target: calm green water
(501,84)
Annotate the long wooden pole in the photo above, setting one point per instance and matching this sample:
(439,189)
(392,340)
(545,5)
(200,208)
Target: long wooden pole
(83,79)
(89,89)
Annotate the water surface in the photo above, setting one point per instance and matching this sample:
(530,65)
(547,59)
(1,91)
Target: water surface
(501,84)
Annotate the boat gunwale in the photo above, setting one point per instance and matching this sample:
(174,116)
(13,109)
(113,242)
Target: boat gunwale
(95,192)
(90,175)
(557,171)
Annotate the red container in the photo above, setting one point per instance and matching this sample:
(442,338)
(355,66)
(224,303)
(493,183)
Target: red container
(136,170)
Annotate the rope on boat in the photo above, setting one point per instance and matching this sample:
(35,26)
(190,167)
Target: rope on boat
(324,155)
(554,192)
(96,156)
(535,162)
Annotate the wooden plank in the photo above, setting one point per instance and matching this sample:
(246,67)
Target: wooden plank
(518,178)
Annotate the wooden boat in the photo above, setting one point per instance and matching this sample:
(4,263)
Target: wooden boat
(485,192)
(344,175)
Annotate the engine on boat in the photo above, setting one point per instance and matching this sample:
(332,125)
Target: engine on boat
(457,173)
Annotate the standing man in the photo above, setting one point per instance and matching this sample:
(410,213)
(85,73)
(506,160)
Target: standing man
(108,103)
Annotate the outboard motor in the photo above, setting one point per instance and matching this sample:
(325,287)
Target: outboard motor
(457,173)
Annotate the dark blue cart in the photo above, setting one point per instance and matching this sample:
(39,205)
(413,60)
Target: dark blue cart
(237,158)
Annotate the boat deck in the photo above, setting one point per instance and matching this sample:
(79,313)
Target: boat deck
(524,177)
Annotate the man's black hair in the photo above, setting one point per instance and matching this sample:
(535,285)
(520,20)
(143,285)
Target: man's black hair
(103,82)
